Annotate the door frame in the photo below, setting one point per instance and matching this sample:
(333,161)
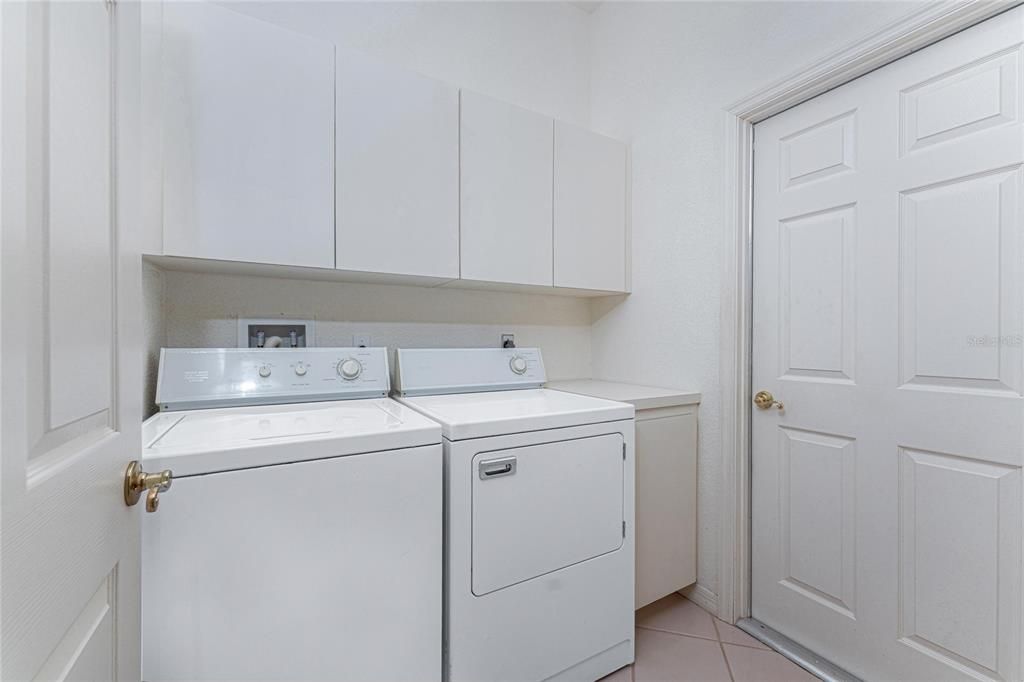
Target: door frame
(908,34)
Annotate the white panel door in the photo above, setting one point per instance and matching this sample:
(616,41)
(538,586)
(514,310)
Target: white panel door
(71,359)
(506,171)
(589,210)
(888,308)
(398,170)
(248,139)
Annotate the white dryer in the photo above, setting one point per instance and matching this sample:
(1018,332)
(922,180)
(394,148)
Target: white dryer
(301,538)
(539,539)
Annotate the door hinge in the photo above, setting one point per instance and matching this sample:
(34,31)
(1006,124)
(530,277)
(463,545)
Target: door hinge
(623,529)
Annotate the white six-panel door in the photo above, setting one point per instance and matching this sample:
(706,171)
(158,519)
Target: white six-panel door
(888,305)
(71,370)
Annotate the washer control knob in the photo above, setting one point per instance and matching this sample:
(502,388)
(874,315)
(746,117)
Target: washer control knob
(350,369)
(518,364)
(264,371)
(300,369)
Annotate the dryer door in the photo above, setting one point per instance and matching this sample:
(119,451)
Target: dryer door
(539,508)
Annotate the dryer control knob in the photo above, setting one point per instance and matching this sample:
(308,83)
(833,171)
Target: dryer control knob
(264,371)
(350,369)
(518,364)
(300,369)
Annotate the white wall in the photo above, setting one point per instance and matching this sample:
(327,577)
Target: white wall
(534,54)
(203,310)
(662,76)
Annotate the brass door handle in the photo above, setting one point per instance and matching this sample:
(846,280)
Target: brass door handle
(765,400)
(136,481)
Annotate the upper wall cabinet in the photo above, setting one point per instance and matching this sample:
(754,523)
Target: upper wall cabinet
(248,136)
(397,170)
(589,210)
(279,149)
(506,155)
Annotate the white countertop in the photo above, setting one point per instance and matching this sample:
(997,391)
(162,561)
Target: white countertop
(641,397)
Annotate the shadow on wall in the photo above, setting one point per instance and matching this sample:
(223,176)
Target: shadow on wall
(599,307)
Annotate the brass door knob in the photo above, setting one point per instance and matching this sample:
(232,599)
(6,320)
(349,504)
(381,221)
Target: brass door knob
(136,481)
(765,400)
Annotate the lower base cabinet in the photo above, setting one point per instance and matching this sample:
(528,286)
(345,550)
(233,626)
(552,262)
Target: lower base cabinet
(666,482)
(666,501)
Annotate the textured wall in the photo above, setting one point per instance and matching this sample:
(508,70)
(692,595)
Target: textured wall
(663,74)
(534,54)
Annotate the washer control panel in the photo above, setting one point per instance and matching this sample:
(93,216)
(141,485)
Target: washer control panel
(431,371)
(193,378)
(518,364)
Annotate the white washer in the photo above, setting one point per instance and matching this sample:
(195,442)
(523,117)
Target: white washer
(539,540)
(298,541)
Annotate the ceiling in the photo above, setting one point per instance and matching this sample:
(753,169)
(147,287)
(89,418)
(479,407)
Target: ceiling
(587,7)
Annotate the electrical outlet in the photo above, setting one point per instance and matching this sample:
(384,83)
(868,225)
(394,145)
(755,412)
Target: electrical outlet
(361,341)
(508,340)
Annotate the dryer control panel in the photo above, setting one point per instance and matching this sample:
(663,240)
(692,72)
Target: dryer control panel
(434,371)
(192,378)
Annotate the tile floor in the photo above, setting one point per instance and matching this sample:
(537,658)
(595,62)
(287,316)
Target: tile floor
(678,641)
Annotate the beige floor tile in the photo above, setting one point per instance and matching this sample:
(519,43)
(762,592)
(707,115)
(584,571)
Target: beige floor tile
(730,634)
(620,675)
(664,657)
(756,665)
(675,614)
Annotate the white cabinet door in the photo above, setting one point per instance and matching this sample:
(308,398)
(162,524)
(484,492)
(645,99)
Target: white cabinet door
(666,502)
(398,170)
(506,157)
(589,210)
(248,139)
(69,322)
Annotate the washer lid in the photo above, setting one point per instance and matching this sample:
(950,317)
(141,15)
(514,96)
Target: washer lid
(205,441)
(478,415)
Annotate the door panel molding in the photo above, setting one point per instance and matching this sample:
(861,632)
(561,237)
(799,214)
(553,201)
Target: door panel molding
(993,80)
(819,495)
(795,166)
(91,639)
(817,270)
(918,29)
(986,523)
(990,203)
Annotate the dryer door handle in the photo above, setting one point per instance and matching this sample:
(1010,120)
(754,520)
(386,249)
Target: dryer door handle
(495,468)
